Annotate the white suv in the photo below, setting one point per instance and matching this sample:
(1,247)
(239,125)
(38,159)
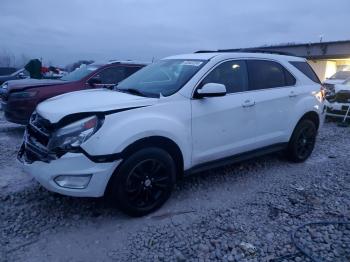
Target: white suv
(175,117)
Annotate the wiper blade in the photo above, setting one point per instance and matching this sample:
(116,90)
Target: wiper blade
(131,91)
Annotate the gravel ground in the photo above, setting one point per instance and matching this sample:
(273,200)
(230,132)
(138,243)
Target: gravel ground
(242,212)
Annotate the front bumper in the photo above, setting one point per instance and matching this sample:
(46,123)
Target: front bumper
(336,109)
(71,164)
(17,115)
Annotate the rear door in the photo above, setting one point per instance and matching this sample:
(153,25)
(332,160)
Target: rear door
(273,90)
(224,126)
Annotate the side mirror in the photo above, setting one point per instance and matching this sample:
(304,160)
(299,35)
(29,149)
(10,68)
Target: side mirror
(96,80)
(211,90)
(21,75)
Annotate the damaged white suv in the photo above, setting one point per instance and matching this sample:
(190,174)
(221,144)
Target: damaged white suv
(178,116)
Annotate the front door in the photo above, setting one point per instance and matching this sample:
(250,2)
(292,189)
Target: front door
(224,126)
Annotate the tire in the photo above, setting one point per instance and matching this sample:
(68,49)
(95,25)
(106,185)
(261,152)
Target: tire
(143,182)
(302,141)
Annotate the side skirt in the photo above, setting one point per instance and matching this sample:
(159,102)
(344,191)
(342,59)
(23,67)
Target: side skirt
(236,158)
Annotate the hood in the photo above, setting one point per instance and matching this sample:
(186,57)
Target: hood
(93,100)
(334,81)
(29,82)
(338,88)
(6,78)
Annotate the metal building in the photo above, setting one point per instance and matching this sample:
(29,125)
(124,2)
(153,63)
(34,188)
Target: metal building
(326,58)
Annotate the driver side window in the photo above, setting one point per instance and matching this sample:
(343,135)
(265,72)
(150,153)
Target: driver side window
(232,74)
(112,75)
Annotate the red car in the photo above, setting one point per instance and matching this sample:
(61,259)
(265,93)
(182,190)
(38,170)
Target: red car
(20,97)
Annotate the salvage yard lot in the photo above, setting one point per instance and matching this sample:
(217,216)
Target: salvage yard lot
(242,212)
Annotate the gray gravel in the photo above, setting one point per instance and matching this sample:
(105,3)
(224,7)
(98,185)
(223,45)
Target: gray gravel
(243,212)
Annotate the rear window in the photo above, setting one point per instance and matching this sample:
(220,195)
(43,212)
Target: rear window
(265,74)
(307,70)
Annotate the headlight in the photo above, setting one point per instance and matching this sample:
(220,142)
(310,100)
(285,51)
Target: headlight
(73,135)
(23,95)
(4,85)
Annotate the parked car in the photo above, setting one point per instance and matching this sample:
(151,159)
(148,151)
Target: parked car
(338,78)
(19,98)
(178,116)
(19,74)
(339,100)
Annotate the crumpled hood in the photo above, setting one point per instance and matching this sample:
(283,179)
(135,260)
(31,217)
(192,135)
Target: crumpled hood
(29,82)
(94,100)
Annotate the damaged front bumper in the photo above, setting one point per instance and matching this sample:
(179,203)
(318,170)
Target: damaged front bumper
(337,110)
(66,173)
(72,165)
(31,151)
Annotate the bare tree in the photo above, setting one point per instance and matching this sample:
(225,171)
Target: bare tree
(7,58)
(22,60)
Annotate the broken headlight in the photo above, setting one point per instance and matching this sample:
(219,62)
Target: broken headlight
(73,135)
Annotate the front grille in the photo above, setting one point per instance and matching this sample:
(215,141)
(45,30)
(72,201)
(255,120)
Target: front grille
(342,97)
(36,139)
(3,94)
(40,129)
(336,111)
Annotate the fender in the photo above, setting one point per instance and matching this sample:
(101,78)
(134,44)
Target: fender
(306,104)
(125,128)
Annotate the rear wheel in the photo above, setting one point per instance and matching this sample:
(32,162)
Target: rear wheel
(144,181)
(303,141)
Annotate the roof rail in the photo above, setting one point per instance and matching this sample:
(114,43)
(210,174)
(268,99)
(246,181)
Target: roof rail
(246,50)
(115,61)
(262,50)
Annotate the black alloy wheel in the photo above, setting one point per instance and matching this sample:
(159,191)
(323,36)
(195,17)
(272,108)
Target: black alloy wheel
(303,141)
(144,181)
(147,182)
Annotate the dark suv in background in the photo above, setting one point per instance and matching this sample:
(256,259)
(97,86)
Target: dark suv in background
(20,97)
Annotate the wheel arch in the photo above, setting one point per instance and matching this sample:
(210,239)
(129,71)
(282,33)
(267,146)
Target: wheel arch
(164,143)
(310,115)
(313,116)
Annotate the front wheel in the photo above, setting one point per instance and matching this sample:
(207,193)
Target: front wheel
(144,181)
(302,141)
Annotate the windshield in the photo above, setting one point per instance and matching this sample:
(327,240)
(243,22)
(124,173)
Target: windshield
(19,71)
(164,77)
(79,73)
(341,75)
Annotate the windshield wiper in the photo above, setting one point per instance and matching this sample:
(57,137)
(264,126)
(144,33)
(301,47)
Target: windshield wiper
(131,91)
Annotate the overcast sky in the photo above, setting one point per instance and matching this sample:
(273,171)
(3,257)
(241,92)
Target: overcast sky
(62,31)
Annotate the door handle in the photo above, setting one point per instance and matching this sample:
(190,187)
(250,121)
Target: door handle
(292,94)
(248,103)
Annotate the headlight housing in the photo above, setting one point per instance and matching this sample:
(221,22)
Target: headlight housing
(4,85)
(70,137)
(22,95)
